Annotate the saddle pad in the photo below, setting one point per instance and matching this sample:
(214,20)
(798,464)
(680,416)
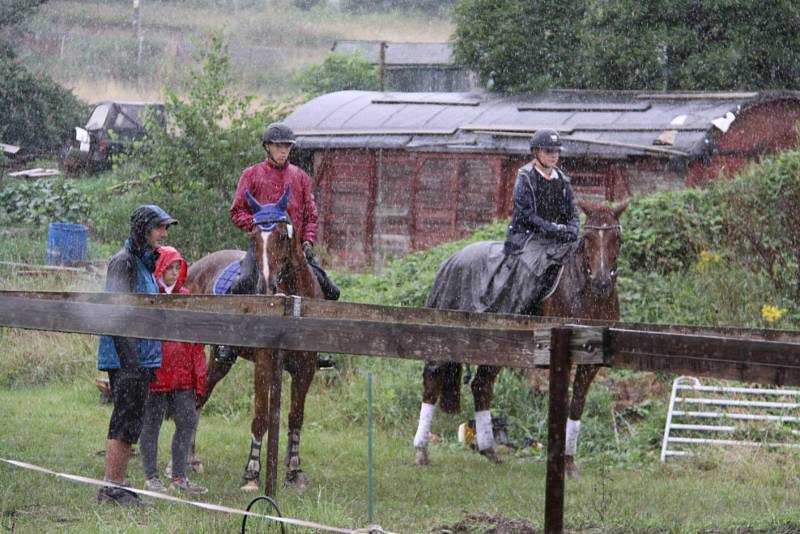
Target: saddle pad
(226,278)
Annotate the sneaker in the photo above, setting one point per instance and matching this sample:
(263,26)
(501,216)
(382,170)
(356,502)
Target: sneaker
(155,484)
(121,497)
(183,484)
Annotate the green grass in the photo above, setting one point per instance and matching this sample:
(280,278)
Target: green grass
(748,489)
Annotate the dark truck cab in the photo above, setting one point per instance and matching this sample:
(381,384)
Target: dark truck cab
(112,128)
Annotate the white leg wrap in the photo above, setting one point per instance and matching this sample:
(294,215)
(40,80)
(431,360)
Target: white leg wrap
(424,428)
(573,431)
(483,430)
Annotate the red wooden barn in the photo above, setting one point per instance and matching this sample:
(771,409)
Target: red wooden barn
(398,172)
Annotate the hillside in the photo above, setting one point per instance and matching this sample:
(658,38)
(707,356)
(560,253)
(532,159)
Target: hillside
(92,46)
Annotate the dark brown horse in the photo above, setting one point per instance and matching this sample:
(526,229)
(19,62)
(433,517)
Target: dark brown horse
(585,288)
(282,269)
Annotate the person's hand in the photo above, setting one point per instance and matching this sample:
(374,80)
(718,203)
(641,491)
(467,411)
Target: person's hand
(567,233)
(308,250)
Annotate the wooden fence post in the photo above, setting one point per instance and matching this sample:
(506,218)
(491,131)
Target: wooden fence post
(274,423)
(556,429)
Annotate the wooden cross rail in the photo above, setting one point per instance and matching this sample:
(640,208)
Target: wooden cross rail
(415,333)
(750,355)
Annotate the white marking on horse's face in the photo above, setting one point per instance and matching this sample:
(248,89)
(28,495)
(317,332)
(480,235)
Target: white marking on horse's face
(265,258)
(290,230)
(602,254)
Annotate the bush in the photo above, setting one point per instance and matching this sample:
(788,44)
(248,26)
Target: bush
(39,202)
(761,221)
(339,72)
(35,112)
(665,232)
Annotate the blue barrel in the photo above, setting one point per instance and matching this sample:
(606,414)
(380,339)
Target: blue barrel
(66,243)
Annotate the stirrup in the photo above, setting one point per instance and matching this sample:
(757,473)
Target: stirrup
(325,363)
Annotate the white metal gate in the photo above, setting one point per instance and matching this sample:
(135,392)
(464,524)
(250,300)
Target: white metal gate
(716,415)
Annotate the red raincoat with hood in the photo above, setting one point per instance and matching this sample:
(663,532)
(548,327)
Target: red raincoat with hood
(183,365)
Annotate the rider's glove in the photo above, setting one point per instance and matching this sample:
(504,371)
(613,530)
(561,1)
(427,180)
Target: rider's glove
(566,233)
(308,250)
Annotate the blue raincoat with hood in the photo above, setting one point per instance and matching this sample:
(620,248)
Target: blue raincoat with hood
(131,271)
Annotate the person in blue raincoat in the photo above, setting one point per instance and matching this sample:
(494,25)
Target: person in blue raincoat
(130,362)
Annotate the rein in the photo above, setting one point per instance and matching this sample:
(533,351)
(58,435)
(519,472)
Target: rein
(602,227)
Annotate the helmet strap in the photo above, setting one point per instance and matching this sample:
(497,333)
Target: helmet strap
(542,166)
(270,158)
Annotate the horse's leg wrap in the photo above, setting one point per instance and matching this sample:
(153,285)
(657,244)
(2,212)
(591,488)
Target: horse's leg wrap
(253,468)
(424,427)
(292,460)
(573,431)
(483,430)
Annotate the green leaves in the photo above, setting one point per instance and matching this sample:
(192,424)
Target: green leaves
(518,45)
(39,202)
(339,72)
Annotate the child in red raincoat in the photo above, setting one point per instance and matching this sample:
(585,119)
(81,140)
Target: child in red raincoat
(179,381)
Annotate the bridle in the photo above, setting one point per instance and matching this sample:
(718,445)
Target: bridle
(602,227)
(287,268)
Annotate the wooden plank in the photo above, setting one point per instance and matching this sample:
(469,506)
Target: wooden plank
(587,345)
(748,360)
(513,348)
(312,308)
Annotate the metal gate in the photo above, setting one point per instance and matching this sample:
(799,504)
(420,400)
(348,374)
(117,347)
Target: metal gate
(715,415)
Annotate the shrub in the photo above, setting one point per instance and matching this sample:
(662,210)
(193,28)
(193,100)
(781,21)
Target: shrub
(339,72)
(38,202)
(665,232)
(761,222)
(35,112)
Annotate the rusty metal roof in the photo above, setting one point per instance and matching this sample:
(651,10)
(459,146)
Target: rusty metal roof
(603,124)
(399,54)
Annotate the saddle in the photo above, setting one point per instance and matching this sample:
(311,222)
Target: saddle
(225,280)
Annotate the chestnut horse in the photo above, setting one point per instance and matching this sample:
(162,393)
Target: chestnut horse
(585,288)
(282,269)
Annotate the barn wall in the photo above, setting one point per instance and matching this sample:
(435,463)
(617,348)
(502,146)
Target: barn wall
(760,129)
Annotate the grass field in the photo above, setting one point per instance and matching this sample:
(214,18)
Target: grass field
(62,428)
(91,47)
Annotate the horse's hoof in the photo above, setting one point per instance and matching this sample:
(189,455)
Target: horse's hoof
(296,478)
(250,485)
(491,455)
(571,468)
(421,456)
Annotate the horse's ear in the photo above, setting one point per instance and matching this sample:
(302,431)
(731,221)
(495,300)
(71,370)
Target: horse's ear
(621,207)
(586,206)
(255,207)
(283,202)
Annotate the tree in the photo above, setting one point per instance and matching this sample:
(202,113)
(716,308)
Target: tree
(13,11)
(519,45)
(692,44)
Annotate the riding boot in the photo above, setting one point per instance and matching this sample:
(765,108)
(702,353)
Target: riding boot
(245,284)
(329,289)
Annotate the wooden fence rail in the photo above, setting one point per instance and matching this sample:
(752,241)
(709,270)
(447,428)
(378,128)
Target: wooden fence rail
(749,355)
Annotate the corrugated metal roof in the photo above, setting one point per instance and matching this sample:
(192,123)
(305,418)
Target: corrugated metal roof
(606,124)
(399,54)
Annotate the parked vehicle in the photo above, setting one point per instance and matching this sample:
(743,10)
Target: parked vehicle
(112,128)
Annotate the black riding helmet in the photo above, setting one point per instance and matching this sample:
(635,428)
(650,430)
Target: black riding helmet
(548,139)
(278,132)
